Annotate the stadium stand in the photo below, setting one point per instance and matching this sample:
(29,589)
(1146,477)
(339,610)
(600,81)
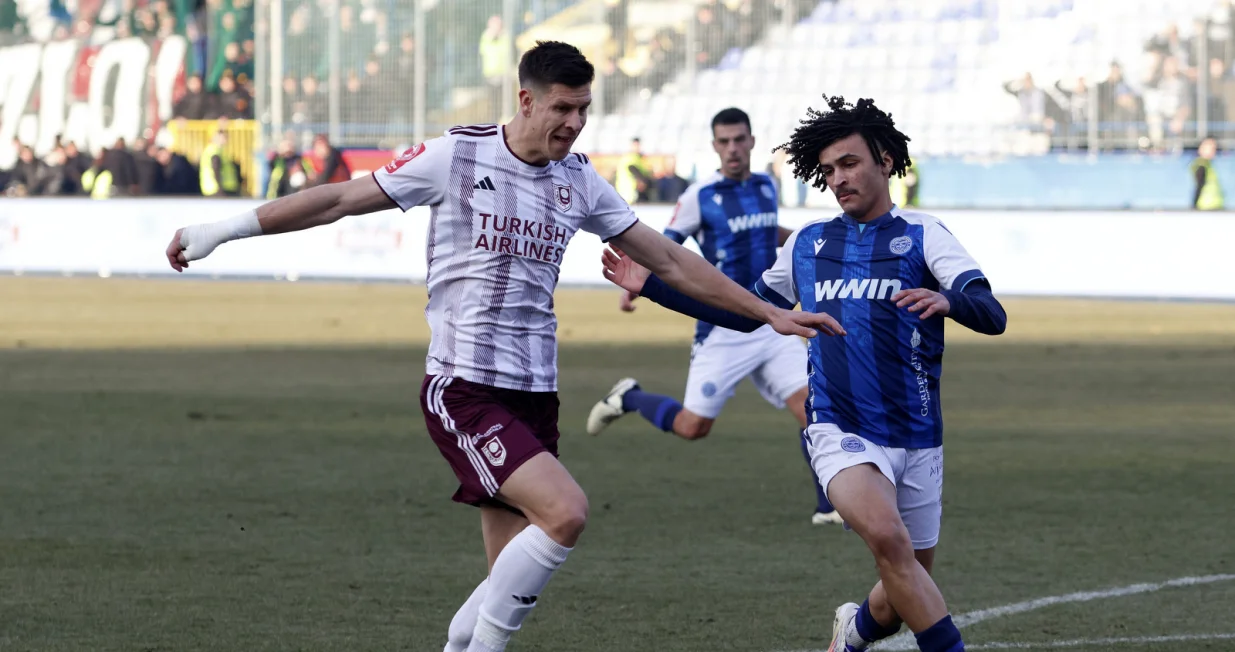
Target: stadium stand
(967,78)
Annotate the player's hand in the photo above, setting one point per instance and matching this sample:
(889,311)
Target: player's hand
(176,252)
(804,324)
(627,301)
(192,243)
(624,272)
(927,302)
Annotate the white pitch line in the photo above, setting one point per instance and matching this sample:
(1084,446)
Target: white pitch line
(1135,640)
(905,640)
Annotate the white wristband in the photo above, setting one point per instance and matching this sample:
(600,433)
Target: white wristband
(244,225)
(201,239)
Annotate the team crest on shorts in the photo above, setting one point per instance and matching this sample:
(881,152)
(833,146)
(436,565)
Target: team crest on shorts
(709,389)
(495,452)
(852,445)
(562,195)
(901,245)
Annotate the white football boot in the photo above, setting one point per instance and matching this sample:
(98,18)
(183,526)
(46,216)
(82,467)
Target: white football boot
(609,409)
(827,518)
(842,626)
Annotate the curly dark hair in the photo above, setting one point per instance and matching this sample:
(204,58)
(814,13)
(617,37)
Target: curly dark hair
(822,128)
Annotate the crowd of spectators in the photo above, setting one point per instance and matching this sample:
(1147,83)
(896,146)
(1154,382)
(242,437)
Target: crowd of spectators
(1160,109)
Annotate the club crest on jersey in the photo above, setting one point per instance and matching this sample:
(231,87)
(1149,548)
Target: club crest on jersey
(494,451)
(852,445)
(563,196)
(410,154)
(901,245)
(766,190)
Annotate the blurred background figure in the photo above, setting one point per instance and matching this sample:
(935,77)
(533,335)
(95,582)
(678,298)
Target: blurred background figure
(1207,191)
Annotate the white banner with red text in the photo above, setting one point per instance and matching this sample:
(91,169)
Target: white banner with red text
(1114,254)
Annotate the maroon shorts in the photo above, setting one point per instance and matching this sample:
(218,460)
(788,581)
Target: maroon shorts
(485,432)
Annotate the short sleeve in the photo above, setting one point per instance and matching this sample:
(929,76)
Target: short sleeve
(776,285)
(419,176)
(609,214)
(686,218)
(948,261)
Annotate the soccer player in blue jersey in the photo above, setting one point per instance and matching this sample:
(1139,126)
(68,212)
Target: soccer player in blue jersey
(889,277)
(732,214)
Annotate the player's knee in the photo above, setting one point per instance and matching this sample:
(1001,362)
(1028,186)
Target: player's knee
(695,428)
(565,521)
(891,545)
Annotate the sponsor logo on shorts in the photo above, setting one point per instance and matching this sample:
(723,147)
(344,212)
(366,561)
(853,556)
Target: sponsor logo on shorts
(709,389)
(495,452)
(901,245)
(852,444)
(476,439)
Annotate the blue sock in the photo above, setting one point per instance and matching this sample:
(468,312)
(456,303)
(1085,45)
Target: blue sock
(821,499)
(656,408)
(869,628)
(943,636)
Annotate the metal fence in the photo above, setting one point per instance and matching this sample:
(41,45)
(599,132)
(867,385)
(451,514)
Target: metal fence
(384,74)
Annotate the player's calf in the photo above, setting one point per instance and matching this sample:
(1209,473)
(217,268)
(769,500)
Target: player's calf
(557,508)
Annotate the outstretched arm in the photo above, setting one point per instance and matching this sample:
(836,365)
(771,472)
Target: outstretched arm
(690,274)
(303,210)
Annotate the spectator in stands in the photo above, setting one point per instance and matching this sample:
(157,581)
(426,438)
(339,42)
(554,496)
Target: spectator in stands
(1118,103)
(286,170)
(1168,104)
(149,171)
(53,182)
(27,176)
(669,184)
(1076,103)
(219,174)
(1207,191)
(120,163)
(96,181)
(405,59)
(179,176)
(1168,44)
(194,104)
(331,167)
(312,107)
(1032,100)
(1221,96)
(495,54)
(75,165)
(233,102)
(633,179)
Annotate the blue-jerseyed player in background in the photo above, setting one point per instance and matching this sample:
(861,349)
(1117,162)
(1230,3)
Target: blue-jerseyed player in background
(732,214)
(889,276)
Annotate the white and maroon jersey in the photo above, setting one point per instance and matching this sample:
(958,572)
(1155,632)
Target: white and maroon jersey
(498,229)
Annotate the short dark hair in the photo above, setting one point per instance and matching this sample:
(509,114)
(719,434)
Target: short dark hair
(554,62)
(822,128)
(731,116)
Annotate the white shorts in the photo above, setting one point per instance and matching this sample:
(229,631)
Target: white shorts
(775,363)
(917,474)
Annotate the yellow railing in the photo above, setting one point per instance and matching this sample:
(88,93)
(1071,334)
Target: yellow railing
(190,137)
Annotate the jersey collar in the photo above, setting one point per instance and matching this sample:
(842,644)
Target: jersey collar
(876,223)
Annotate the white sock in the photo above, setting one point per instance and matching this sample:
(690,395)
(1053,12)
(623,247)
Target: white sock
(464,622)
(521,572)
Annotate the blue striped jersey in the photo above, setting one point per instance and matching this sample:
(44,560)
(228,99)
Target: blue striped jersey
(735,224)
(881,380)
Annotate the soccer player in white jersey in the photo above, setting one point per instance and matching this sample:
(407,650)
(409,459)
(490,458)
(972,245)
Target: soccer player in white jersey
(504,200)
(889,276)
(732,214)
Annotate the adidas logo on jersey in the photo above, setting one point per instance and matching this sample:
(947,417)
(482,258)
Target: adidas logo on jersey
(484,184)
(857,288)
